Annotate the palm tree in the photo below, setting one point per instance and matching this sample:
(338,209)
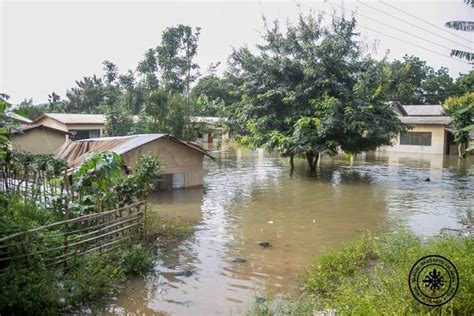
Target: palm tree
(466,26)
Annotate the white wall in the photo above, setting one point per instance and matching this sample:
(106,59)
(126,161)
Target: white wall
(438,137)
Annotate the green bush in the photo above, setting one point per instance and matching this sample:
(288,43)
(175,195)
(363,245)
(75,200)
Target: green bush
(137,260)
(29,292)
(91,282)
(17,214)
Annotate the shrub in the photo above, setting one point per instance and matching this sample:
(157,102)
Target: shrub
(137,260)
(29,292)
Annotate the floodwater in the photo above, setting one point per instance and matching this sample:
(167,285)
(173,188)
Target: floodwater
(249,197)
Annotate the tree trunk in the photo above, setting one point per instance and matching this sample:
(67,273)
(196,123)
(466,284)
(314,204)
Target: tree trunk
(292,165)
(312,160)
(316,159)
(461,153)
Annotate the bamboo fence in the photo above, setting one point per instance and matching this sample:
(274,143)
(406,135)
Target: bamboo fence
(59,242)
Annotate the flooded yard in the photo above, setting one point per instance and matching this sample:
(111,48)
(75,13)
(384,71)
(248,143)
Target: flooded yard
(250,197)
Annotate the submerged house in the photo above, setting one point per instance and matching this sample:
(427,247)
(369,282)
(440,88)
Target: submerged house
(430,131)
(38,139)
(183,161)
(80,126)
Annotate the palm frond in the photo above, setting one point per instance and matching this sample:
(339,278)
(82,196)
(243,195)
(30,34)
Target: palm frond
(462,55)
(467,26)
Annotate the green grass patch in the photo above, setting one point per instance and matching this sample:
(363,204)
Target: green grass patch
(166,230)
(369,276)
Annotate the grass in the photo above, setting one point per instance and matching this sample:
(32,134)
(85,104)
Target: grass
(368,276)
(166,230)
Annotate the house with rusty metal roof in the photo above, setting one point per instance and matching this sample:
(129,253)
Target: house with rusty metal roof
(183,161)
(430,130)
(81,126)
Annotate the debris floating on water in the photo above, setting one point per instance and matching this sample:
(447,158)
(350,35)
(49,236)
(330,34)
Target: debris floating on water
(186,273)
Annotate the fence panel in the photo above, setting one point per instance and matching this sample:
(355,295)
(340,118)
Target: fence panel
(58,242)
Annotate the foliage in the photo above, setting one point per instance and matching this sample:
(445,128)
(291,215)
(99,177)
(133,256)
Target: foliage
(90,281)
(137,260)
(467,26)
(118,122)
(17,214)
(5,121)
(368,276)
(175,56)
(101,183)
(209,107)
(29,292)
(412,81)
(313,88)
(168,231)
(214,96)
(461,109)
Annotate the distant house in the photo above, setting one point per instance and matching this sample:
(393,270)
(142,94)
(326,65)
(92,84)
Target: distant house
(38,139)
(81,126)
(431,131)
(183,161)
(18,117)
(209,127)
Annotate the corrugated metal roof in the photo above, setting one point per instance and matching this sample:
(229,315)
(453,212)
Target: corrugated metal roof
(74,152)
(18,117)
(71,118)
(431,120)
(423,110)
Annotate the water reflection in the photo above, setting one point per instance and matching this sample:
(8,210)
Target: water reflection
(250,197)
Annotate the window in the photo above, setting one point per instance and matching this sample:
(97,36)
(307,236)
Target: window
(416,138)
(85,134)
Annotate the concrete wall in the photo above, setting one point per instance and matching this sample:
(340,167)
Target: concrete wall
(438,140)
(38,141)
(178,158)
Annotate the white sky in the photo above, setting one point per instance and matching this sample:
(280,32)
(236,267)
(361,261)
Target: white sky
(46,46)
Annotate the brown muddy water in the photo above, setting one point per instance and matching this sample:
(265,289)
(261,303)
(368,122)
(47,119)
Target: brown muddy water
(249,197)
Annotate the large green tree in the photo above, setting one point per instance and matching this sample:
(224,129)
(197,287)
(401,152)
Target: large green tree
(461,109)
(412,81)
(311,90)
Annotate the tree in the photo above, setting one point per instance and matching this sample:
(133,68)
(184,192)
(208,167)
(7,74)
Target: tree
(87,97)
(111,72)
(437,86)
(466,26)
(310,90)
(465,83)
(148,68)
(118,122)
(461,109)
(214,96)
(164,113)
(176,59)
(412,81)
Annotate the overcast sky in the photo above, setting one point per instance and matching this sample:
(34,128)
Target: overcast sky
(46,46)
